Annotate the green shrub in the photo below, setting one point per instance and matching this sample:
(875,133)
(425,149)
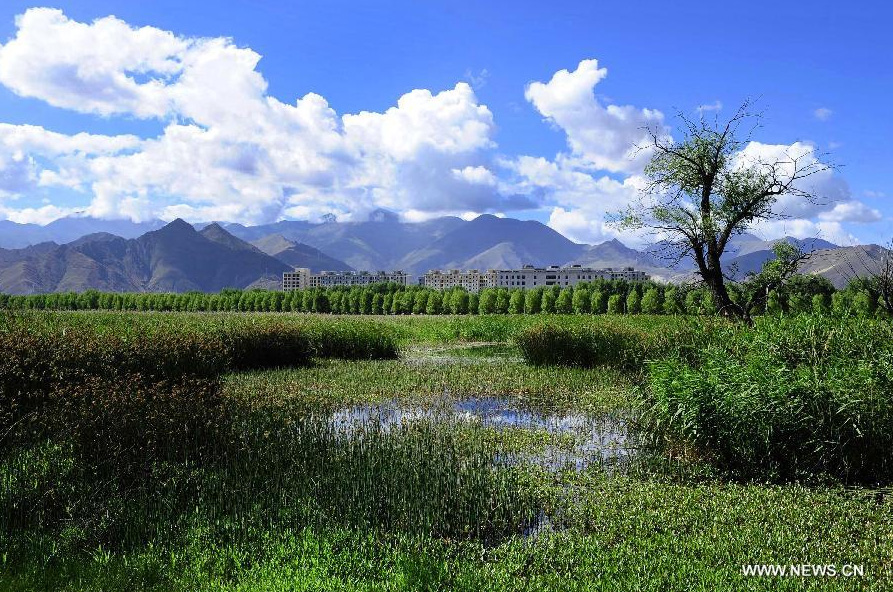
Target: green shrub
(672,305)
(516,302)
(821,304)
(253,347)
(693,302)
(791,399)
(604,344)
(864,304)
(533,300)
(548,302)
(564,303)
(841,303)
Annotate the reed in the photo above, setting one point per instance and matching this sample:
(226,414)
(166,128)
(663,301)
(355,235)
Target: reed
(609,342)
(794,398)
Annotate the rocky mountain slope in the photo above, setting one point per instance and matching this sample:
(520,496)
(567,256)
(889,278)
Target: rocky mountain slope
(175,258)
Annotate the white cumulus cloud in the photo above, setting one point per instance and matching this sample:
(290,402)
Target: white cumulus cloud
(228,150)
(605,136)
(104,67)
(578,199)
(851,211)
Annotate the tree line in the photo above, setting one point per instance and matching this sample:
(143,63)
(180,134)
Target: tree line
(800,293)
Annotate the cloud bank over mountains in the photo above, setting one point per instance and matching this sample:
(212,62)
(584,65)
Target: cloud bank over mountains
(227,150)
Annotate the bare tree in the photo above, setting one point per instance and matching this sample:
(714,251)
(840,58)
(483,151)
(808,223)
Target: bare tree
(701,192)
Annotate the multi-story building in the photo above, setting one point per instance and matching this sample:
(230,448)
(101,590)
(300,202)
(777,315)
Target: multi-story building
(298,279)
(301,278)
(533,277)
(472,280)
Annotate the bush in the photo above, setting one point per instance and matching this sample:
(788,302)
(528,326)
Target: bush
(40,359)
(791,399)
(114,431)
(605,344)
(582,302)
(533,300)
(821,304)
(253,347)
(671,302)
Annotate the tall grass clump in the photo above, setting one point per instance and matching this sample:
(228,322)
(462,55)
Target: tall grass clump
(793,398)
(56,370)
(617,344)
(427,478)
(266,345)
(122,395)
(352,340)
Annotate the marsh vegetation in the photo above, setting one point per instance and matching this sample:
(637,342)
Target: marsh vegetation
(277,452)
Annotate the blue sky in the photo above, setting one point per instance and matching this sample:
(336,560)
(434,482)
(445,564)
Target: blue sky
(819,71)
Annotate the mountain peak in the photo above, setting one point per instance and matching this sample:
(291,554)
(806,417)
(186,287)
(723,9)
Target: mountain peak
(178,224)
(272,244)
(175,228)
(95,237)
(218,234)
(213,229)
(383,215)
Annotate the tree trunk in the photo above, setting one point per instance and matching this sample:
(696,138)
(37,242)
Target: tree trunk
(716,282)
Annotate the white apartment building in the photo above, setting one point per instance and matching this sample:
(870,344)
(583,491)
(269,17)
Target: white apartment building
(534,277)
(472,280)
(298,279)
(301,278)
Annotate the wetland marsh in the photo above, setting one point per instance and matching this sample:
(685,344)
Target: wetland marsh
(418,453)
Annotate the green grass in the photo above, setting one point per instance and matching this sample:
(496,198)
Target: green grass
(625,535)
(422,380)
(792,399)
(264,494)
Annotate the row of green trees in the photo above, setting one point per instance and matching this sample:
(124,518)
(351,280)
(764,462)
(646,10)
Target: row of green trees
(800,294)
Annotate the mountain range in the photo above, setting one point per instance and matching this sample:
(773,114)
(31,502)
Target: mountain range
(154,256)
(174,258)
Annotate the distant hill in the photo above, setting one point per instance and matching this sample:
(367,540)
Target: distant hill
(383,242)
(65,230)
(614,253)
(378,243)
(842,264)
(299,255)
(749,255)
(174,258)
(528,241)
(501,256)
